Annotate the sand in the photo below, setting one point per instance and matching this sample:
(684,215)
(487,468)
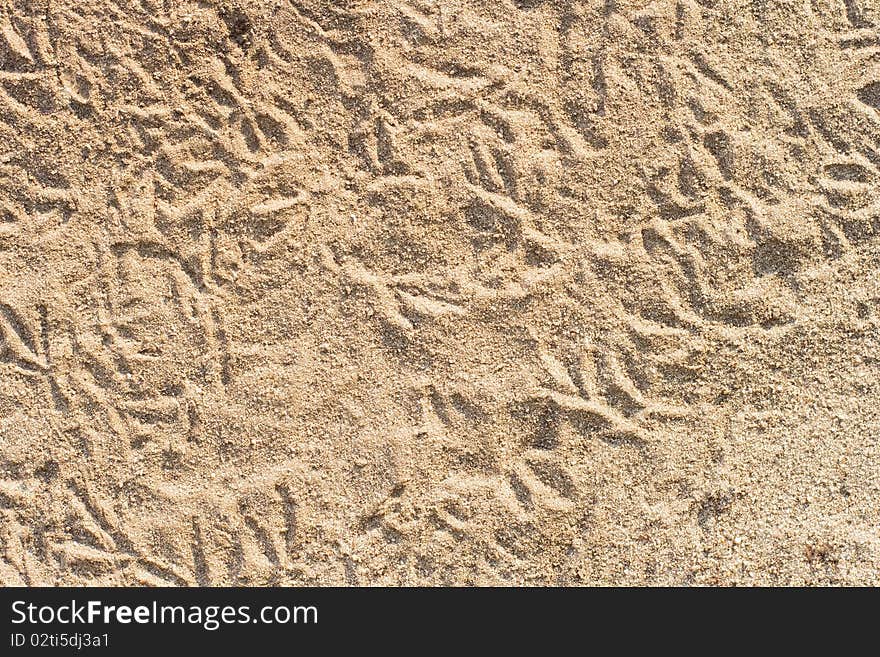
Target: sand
(440,292)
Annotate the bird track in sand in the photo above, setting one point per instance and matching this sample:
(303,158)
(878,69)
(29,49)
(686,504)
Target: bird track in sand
(407,291)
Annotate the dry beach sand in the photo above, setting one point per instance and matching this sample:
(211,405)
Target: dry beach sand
(439,292)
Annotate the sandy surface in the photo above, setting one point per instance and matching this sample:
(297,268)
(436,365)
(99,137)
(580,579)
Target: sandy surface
(439,292)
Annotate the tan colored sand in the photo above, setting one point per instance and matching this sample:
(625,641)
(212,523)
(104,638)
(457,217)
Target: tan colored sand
(440,292)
